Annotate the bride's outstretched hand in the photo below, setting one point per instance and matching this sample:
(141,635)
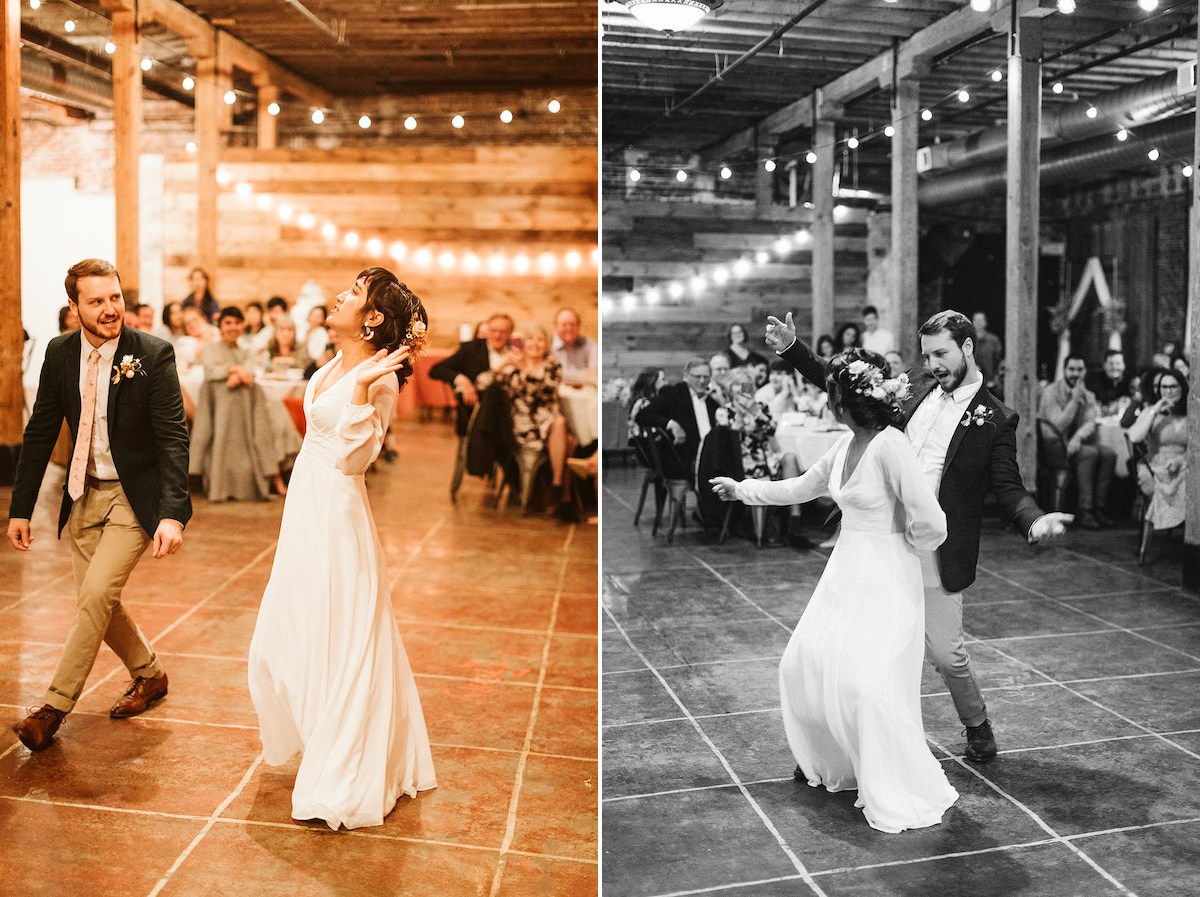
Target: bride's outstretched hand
(381,363)
(725,488)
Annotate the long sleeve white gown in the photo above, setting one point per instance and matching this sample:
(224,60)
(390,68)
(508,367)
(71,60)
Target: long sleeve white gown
(850,678)
(328,673)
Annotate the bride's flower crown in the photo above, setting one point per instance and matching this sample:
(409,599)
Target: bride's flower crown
(416,338)
(868,380)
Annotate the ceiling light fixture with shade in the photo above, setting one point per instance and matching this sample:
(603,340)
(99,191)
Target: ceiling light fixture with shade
(671,15)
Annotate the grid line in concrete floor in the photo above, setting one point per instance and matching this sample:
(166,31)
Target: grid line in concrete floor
(667,809)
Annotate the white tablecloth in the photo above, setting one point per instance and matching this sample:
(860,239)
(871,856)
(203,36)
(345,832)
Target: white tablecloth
(807,442)
(580,405)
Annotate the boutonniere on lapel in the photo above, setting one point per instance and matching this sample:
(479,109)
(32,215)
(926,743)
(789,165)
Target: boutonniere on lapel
(979,416)
(127,368)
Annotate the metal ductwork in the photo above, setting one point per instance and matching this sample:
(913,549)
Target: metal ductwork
(1174,138)
(1126,107)
(65,83)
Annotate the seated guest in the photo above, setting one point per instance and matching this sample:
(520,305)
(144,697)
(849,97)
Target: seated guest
(579,355)
(316,337)
(848,336)
(781,392)
(224,359)
(283,352)
(1112,384)
(198,333)
(644,388)
(256,335)
(738,350)
(132,320)
(471,359)
(825,348)
(719,385)
(1163,427)
(531,378)
(896,365)
(761,373)
(1072,409)
(67,319)
(171,328)
(685,410)
(145,315)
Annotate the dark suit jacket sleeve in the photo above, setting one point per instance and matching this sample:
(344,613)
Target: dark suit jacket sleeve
(40,435)
(169,421)
(658,412)
(801,357)
(1016,504)
(458,363)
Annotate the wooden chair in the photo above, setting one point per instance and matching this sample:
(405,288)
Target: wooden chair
(1138,463)
(666,458)
(1054,467)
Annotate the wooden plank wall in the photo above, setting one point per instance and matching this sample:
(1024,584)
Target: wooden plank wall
(485,200)
(651,244)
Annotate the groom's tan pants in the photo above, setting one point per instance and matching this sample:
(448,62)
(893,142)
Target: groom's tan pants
(106,542)
(945,644)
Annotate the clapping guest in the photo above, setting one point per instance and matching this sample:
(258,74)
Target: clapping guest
(738,350)
(224,359)
(719,384)
(198,333)
(1112,384)
(283,351)
(781,392)
(1163,427)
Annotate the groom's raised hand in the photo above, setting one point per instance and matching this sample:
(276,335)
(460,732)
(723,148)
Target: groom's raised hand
(780,334)
(1049,526)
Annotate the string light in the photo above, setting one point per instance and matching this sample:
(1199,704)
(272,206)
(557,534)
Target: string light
(1122,135)
(852,143)
(554,106)
(1148,5)
(726,172)
(1186,171)
(375,246)
(263,202)
(410,123)
(926,115)
(981,5)
(635,175)
(364,122)
(458,121)
(470,262)
(243,189)
(521,263)
(997,75)
(147,64)
(1057,87)
(398,251)
(423,257)
(231,98)
(769,165)
(273,109)
(110,48)
(306,221)
(506,116)
(35,4)
(318,116)
(889,131)
(189,82)
(68,26)
(964,96)
(1066,7)
(681,175)
(191,146)
(1152,155)
(810,157)
(351,239)
(1092,112)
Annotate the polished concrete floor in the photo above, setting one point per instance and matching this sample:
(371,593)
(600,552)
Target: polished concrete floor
(1091,670)
(498,614)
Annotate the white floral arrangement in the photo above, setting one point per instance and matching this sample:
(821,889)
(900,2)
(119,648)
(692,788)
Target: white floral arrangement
(618,389)
(868,380)
(127,368)
(979,416)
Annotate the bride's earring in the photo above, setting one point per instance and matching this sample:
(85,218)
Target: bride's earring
(367,332)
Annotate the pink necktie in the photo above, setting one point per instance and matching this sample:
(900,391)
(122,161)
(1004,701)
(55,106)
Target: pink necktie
(83,440)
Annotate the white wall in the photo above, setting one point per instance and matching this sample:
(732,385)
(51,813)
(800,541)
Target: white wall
(59,227)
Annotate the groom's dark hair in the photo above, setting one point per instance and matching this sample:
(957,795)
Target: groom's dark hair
(88,268)
(955,323)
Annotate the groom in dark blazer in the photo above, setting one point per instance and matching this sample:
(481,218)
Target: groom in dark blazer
(470,360)
(965,439)
(118,391)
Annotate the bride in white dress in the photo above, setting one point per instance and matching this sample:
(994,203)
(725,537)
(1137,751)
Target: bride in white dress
(328,673)
(850,678)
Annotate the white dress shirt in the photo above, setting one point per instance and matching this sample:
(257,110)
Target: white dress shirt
(931,426)
(100,463)
(700,407)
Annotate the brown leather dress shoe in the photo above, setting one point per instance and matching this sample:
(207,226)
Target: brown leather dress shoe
(139,696)
(37,730)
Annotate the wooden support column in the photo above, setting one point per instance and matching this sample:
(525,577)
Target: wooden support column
(127,138)
(905,218)
(1022,244)
(1191,537)
(208,157)
(825,146)
(12,394)
(268,131)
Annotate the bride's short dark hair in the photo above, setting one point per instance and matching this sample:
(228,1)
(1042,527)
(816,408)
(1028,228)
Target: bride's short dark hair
(400,308)
(842,386)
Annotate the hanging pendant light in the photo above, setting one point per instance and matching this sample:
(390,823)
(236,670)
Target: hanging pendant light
(671,15)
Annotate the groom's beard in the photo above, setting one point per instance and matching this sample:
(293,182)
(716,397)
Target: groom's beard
(953,379)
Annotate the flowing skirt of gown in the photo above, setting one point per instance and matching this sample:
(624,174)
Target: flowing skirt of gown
(328,673)
(850,682)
